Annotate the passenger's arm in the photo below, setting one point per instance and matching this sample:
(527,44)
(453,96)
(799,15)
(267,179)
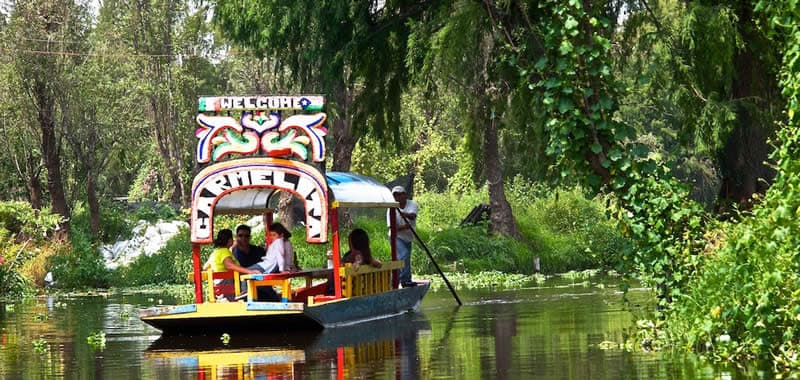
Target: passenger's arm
(230,265)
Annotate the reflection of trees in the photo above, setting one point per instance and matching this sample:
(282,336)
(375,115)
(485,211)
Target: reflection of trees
(408,357)
(505,328)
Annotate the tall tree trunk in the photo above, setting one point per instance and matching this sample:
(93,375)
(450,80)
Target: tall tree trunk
(33,181)
(285,209)
(502,218)
(344,141)
(162,130)
(154,36)
(94,203)
(35,192)
(742,159)
(50,153)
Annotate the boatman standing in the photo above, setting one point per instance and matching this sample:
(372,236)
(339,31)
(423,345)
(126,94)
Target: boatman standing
(407,211)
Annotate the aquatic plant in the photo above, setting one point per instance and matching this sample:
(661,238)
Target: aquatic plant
(97,340)
(40,346)
(489,279)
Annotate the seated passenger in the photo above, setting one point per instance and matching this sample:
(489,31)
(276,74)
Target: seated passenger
(359,254)
(247,254)
(222,258)
(288,250)
(275,259)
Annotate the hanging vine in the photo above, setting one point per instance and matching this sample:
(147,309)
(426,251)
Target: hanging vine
(573,83)
(746,304)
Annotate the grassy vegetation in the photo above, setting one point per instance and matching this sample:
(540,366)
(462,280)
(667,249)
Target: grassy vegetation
(25,245)
(565,230)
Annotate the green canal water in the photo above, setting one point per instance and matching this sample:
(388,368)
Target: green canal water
(557,330)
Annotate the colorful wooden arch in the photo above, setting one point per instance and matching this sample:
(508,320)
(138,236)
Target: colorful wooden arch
(225,178)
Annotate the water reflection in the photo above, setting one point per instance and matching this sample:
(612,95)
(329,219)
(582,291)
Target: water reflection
(545,332)
(379,349)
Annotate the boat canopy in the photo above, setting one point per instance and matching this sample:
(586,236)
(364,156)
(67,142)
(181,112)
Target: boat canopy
(346,190)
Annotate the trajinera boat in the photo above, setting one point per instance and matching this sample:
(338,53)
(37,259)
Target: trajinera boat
(251,148)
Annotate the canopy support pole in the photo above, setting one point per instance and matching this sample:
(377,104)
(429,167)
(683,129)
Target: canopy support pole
(393,245)
(267,223)
(198,281)
(337,280)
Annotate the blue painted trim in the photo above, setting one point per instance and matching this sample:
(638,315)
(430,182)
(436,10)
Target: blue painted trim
(170,310)
(266,306)
(276,359)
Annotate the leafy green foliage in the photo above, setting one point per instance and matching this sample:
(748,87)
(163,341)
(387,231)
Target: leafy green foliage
(571,232)
(79,264)
(699,81)
(23,222)
(97,340)
(24,245)
(153,212)
(566,231)
(12,283)
(330,46)
(575,87)
(167,266)
(745,303)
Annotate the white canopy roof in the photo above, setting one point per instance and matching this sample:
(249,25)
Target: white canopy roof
(344,190)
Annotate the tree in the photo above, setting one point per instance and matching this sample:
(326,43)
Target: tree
(702,80)
(459,47)
(39,31)
(165,42)
(351,51)
(21,154)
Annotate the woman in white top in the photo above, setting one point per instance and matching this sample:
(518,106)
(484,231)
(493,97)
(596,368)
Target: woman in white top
(280,253)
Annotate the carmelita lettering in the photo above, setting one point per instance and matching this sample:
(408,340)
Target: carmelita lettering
(306,187)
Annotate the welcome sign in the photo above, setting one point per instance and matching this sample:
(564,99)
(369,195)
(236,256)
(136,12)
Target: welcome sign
(248,143)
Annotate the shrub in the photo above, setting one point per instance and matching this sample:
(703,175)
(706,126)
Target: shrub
(560,226)
(167,266)
(79,265)
(114,222)
(23,222)
(23,246)
(475,251)
(153,212)
(570,232)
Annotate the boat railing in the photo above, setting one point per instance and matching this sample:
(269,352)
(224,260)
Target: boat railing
(283,280)
(214,289)
(361,281)
(366,280)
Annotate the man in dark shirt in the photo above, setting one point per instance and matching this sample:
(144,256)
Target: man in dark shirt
(246,253)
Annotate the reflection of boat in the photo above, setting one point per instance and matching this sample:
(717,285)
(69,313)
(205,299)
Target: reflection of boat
(267,150)
(286,355)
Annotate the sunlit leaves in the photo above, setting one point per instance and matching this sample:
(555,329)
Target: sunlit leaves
(565,47)
(752,283)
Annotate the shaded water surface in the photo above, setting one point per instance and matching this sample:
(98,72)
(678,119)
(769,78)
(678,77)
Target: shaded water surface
(559,330)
